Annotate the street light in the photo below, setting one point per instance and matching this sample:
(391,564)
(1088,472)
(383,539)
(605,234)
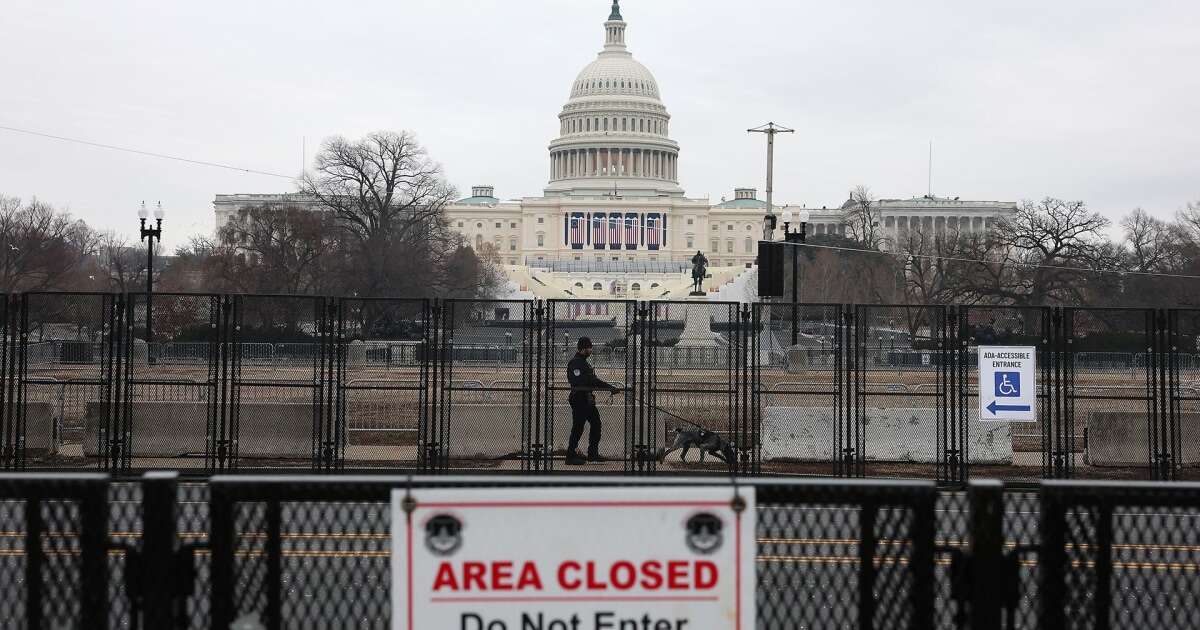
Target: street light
(795,230)
(149,235)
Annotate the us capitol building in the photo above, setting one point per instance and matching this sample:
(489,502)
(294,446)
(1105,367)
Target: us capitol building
(613,221)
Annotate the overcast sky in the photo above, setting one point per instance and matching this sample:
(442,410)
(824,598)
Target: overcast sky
(1092,100)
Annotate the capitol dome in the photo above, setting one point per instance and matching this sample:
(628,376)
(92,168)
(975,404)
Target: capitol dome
(615,76)
(614,129)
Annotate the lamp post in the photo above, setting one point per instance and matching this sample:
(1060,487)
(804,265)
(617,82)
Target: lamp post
(149,235)
(795,231)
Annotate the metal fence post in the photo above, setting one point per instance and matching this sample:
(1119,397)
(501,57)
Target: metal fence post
(159,507)
(868,539)
(924,537)
(986,535)
(1052,558)
(93,544)
(220,537)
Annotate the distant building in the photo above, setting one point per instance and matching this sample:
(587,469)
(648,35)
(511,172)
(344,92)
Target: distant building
(612,220)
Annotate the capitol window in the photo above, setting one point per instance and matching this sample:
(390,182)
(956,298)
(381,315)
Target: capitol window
(479,226)
(513,225)
(690,242)
(749,245)
(460,224)
(541,240)
(635,287)
(497,225)
(597,287)
(689,220)
(729,227)
(541,219)
(578,285)
(729,246)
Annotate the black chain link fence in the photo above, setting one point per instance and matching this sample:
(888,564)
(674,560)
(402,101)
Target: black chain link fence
(79,551)
(215,383)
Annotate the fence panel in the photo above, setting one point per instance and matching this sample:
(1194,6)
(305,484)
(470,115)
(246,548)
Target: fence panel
(281,413)
(801,386)
(174,382)
(846,554)
(1008,450)
(483,410)
(317,552)
(691,384)
(72,374)
(1112,407)
(385,353)
(12,429)
(1178,434)
(612,326)
(53,551)
(904,421)
(1120,555)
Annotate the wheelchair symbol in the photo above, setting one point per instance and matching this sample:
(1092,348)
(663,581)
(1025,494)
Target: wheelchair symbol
(1008,384)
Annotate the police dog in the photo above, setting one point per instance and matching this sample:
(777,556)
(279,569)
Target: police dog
(708,442)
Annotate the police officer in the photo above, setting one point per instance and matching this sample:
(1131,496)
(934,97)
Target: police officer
(584,385)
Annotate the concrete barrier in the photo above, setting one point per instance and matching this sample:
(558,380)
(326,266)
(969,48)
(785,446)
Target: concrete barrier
(173,429)
(494,431)
(892,435)
(39,427)
(1118,438)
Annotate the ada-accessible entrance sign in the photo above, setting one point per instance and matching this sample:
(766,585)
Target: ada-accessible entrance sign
(573,559)
(1007,383)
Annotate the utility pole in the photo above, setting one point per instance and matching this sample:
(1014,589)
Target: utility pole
(770,129)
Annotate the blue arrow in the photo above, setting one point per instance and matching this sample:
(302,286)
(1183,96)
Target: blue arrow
(994,407)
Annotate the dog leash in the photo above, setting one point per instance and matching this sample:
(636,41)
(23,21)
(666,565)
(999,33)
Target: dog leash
(691,422)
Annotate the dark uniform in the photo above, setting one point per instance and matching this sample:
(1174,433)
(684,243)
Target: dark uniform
(584,384)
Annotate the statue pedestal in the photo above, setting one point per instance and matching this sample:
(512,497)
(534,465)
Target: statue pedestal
(697,330)
(697,294)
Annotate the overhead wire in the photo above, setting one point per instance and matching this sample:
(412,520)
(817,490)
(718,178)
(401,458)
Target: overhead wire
(164,156)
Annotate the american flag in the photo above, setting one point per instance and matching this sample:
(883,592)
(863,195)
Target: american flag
(614,231)
(598,230)
(652,229)
(578,227)
(631,229)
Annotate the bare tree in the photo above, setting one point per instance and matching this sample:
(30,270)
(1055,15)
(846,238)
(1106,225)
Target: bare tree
(1151,244)
(278,249)
(863,218)
(41,248)
(118,266)
(934,267)
(1034,257)
(389,200)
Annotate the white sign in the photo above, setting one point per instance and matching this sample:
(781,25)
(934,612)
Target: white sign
(1008,383)
(573,559)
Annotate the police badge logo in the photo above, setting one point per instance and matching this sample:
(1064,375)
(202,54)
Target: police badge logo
(703,534)
(443,535)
